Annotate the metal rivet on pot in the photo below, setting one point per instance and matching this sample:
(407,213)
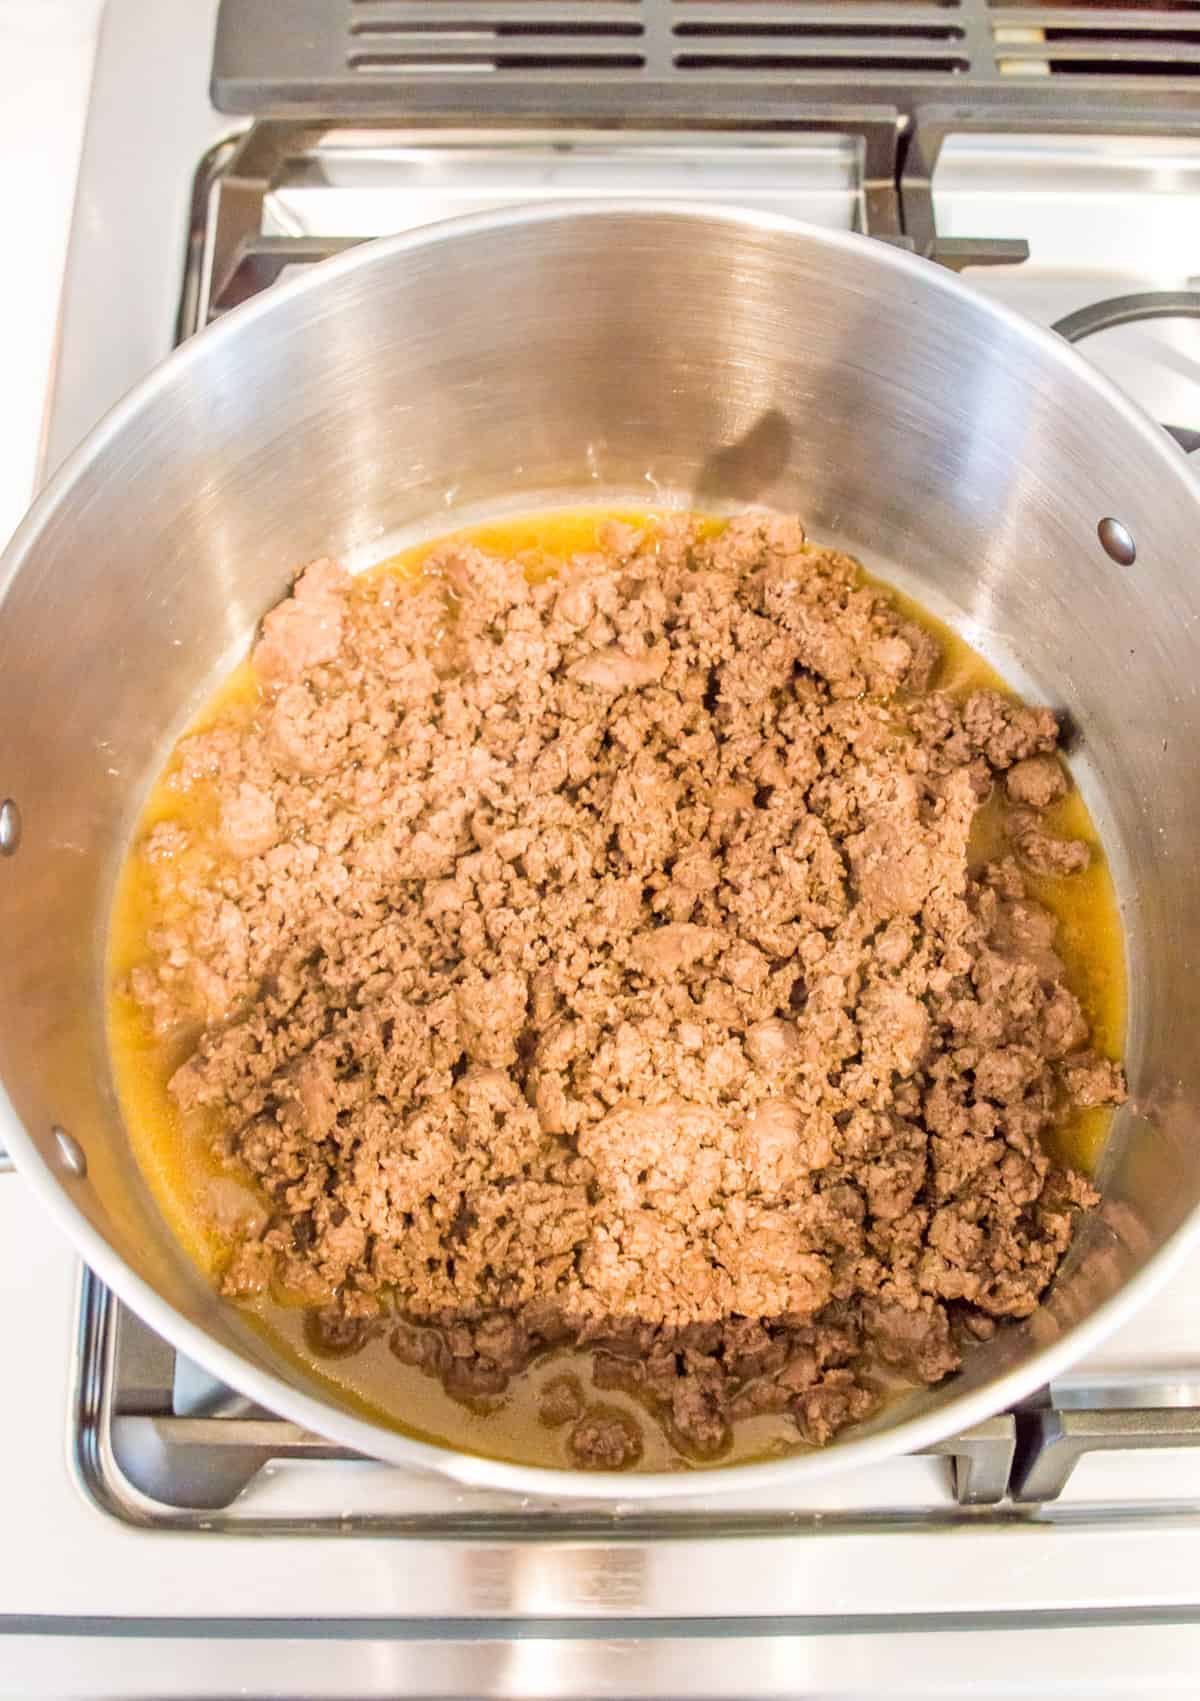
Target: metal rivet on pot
(10,827)
(70,1153)
(1117,542)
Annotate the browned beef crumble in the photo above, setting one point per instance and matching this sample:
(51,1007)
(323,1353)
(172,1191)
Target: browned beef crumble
(597,960)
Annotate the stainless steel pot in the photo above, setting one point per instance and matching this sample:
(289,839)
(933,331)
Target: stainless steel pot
(610,352)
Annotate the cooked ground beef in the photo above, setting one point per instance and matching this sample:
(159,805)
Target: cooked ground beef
(562,1400)
(605,1439)
(1043,852)
(597,960)
(1037,782)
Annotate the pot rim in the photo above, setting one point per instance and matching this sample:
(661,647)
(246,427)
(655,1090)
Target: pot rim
(338,1424)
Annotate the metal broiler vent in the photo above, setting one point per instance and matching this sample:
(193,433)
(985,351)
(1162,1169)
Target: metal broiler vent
(1096,38)
(710,60)
(587,37)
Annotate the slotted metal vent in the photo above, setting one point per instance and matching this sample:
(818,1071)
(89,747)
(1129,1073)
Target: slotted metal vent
(1096,38)
(744,63)
(435,37)
(790,38)
(551,36)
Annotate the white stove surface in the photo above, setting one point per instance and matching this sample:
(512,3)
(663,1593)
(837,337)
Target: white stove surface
(46,52)
(89,1606)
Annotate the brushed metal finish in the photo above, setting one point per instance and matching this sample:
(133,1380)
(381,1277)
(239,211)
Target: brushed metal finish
(524,357)
(793,1659)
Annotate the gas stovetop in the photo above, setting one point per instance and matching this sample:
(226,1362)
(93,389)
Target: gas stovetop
(1053,153)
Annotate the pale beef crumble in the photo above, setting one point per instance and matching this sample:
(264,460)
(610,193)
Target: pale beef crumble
(597,961)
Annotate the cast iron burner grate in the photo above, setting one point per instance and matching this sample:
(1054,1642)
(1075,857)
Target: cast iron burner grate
(895,76)
(367,52)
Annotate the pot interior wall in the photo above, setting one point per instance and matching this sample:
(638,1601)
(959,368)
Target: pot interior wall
(521,360)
